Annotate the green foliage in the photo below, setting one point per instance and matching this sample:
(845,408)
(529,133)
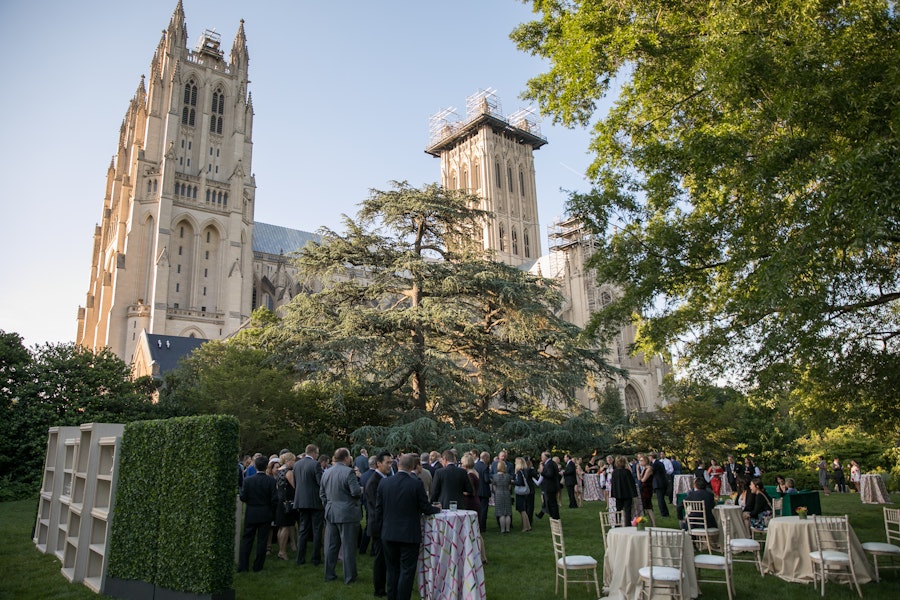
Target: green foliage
(415,317)
(848,442)
(58,385)
(174,511)
(745,186)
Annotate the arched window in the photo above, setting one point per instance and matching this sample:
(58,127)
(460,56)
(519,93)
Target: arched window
(188,113)
(465,179)
(527,244)
(225,199)
(207,196)
(502,238)
(509,178)
(149,187)
(605,298)
(477,176)
(632,399)
(521,183)
(218,109)
(453,180)
(498,175)
(515,241)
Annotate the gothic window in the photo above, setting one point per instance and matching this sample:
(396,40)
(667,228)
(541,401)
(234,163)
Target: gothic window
(189,112)
(218,109)
(498,176)
(149,186)
(225,199)
(632,400)
(181,232)
(453,180)
(465,179)
(154,186)
(521,183)
(515,241)
(527,244)
(502,238)
(195,191)
(605,299)
(509,178)
(207,196)
(207,236)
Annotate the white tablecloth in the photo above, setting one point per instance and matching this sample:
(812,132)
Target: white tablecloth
(450,566)
(732,516)
(627,550)
(682,484)
(872,490)
(788,544)
(591,482)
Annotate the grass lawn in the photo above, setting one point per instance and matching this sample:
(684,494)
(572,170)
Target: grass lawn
(520,564)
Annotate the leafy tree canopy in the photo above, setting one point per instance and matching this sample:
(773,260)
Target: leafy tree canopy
(410,309)
(747,176)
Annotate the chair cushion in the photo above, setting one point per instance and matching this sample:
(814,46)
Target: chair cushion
(744,545)
(661,573)
(707,531)
(881,548)
(709,560)
(829,556)
(577,560)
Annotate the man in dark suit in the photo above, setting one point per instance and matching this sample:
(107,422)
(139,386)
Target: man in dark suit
(310,512)
(383,463)
(700,492)
(549,484)
(733,470)
(261,497)
(659,483)
(570,479)
(362,461)
(363,480)
(483,467)
(450,482)
(340,494)
(399,503)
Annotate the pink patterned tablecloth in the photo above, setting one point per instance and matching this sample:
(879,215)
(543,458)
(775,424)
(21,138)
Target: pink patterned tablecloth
(591,487)
(450,566)
(872,489)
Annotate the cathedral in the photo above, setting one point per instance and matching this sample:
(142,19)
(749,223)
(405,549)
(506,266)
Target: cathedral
(178,257)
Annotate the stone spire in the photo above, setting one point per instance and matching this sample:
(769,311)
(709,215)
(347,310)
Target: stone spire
(239,55)
(177,32)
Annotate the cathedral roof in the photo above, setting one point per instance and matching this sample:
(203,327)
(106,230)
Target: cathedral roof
(167,350)
(274,239)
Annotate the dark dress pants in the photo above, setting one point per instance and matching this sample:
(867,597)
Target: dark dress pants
(260,531)
(661,502)
(379,568)
(624,504)
(552,504)
(573,503)
(400,559)
(312,523)
(482,513)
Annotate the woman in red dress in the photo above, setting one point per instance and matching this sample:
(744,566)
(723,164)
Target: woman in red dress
(714,474)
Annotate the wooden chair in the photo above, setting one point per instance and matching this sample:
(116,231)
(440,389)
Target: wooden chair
(741,545)
(833,554)
(776,505)
(665,563)
(890,549)
(716,562)
(575,562)
(608,520)
(701,531)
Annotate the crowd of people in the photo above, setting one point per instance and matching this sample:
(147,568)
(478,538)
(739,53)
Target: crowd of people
(319,504)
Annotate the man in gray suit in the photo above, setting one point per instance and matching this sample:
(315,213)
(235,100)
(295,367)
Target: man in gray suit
(310,513)
(340,494)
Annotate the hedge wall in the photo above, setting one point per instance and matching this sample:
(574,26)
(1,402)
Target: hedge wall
(173,525)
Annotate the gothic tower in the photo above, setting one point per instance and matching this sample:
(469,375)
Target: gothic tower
(172,254)
(492,156)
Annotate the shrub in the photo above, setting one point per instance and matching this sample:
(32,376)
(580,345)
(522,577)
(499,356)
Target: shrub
(174,511)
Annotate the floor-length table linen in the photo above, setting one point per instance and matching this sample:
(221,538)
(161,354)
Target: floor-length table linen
(591,484)
(872,489)
(450,563)
(627,550)
(789,541)
(730,515)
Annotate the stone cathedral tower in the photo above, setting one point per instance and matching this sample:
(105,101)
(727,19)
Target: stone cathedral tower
(173,252)
(492,156)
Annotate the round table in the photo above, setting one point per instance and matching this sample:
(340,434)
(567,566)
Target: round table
(872,490)
(790,540)
(627,550)
(732,516)
(591,491)
(450,566)
(682,484)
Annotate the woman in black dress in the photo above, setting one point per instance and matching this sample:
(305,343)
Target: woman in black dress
(285,517)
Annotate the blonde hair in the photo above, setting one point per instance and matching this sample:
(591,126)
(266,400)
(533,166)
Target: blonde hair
(467,461)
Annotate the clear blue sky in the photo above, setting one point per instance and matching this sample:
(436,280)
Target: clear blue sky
(342,93)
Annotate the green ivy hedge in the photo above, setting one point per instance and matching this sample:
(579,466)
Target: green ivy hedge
(173,525)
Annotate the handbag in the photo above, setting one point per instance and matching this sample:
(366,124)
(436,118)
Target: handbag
(523,489)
